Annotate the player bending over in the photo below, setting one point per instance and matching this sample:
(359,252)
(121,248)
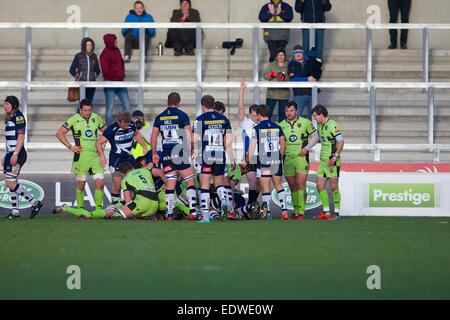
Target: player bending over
(330,161)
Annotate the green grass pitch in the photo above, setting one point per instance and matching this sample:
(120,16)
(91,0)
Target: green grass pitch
(225,260)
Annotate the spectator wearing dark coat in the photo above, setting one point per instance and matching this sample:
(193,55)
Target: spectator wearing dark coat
(313,11)
(395,7)
(276,11)
(85,65)
(304,69)
(183,39)
(113,69)
(132,35)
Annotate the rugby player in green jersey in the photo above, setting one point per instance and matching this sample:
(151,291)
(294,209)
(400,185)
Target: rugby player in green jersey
(300,136)
(86,161)
(140,197)
(332,142)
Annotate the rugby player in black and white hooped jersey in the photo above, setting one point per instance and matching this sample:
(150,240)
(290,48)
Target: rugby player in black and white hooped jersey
(15,158)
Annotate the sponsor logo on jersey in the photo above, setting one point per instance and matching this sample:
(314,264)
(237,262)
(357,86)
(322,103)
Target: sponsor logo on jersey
(35,189)
(293,138)
(89,133)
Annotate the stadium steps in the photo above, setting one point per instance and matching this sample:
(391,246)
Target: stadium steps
(402,114)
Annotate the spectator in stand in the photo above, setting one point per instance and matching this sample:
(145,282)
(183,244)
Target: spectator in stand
(183,39)
(85,66)
(304,69)
(395,7)
(276,11)
(277,71)
(132,35)
(313,11)
(113,69)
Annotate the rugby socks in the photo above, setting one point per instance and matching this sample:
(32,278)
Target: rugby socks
(77,212)
(222,193)
(191,193)
(25,194)
(266,199)
(79,197)
(301,201)
(296,201)
(170,201)
(282,198)
(230,199)
(324,198)
(98,198)
(115,197)
(337,201)
(205,199)
(14,202)
(252,196)
(98,213)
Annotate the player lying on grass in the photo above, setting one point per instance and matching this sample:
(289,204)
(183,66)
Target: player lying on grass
(15,158)
(332,142)
(140,197)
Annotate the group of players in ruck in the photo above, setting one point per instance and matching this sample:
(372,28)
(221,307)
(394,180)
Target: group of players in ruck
(193,174)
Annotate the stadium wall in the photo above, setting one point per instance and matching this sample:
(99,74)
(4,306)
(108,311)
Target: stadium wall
(344,11)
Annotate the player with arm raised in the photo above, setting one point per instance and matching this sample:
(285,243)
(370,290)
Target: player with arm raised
(85,126)
(269,141)
(301,136)
(332,142)
(15,157)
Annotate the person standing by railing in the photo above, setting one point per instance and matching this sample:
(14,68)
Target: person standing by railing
(313,11)
(113,69)
(132,35)
(277,71)
(276,11)
(85,65)
(395,7)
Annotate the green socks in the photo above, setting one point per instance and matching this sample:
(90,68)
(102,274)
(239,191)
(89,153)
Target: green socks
(79,196)
(98,198)
(302,201)
(295,201)
(77,212)
(337,201)
(98,213)
(324,198)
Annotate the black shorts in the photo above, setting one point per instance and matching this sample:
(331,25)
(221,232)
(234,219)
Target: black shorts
(11,171)
(115,162)
(216,169)
(174,162)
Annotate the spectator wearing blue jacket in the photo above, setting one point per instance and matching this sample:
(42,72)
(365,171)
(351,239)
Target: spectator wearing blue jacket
(304,69)
(132,35)
(276,11)
(313,11)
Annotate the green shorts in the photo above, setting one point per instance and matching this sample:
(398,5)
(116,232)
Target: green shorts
(87,163)
(142,206)
(295,165)
(325,171)
(235,174)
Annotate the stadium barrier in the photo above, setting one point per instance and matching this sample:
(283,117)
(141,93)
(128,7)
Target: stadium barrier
(199,84)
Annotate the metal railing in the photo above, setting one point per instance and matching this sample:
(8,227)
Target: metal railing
(199,84)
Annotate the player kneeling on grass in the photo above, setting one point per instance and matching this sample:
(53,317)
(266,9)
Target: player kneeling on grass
(85,126)
(139,194)
(269,140)
(330,161)
(301,136)
(16,156)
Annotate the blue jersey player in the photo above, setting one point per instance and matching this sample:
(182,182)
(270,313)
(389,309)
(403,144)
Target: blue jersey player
(121,136)
(212,137)
(176,135)
(16,156)
(270,143)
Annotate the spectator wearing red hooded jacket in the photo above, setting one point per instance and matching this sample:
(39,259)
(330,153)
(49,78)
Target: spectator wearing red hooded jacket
(113,69)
